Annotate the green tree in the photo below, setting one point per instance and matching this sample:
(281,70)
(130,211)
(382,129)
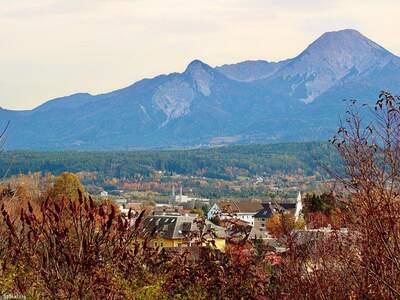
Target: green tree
(204,208)
(319,203)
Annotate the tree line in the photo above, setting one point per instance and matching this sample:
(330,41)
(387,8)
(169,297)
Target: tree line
(219,163)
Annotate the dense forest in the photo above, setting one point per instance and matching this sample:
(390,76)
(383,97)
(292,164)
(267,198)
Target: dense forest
(223,163)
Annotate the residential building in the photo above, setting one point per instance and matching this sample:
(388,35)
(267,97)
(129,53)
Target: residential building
(262,216)
(178,231)
(270,208)
(242,210)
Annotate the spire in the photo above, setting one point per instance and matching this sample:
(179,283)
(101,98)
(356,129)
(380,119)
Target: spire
(299,197)
(299,206)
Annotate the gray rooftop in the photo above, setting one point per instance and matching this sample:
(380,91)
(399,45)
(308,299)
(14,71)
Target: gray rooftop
(177,227)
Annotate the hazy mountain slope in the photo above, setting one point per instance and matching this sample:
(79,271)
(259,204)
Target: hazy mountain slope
(299,99)
(250,70)
(165,110)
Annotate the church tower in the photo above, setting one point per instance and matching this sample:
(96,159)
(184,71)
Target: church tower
(299,206)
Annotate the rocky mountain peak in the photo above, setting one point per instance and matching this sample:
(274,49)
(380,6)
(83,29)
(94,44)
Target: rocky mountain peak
(202,75)
(330,58)
(198,66)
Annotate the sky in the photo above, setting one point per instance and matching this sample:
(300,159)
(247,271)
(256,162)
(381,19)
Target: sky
(53,48)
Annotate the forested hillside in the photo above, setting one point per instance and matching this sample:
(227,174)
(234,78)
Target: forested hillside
(225,162)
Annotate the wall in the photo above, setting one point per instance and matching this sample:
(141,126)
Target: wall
(260,224)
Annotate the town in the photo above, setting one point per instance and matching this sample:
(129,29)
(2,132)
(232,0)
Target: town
(173,222)
(199,150)
(172,218)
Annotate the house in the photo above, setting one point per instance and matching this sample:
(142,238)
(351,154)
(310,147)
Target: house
(262,216)
(271,208)
(179,231)
(242,210)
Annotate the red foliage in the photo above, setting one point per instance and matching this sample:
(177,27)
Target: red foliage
(318,220)
(74,249)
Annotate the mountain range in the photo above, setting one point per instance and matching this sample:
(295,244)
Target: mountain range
(298,99)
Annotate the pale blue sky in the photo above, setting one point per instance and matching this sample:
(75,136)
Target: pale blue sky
(51,48)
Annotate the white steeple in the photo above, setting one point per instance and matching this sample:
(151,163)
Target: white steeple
(299,206)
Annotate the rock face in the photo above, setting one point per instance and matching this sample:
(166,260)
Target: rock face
(174,98)
(298,99)
(201,75)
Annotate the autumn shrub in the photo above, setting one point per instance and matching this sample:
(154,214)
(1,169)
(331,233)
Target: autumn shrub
(82,249)
(76,249)
(323,210)
(315,266)
(235,274)
(282,224)
(361,261)
(371,187)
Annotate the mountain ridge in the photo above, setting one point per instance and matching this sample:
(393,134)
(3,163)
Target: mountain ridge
(298,99)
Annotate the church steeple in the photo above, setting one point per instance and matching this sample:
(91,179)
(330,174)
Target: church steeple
(299,206)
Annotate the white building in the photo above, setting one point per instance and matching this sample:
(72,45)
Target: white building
(246,210)
(185,199)
(242,210)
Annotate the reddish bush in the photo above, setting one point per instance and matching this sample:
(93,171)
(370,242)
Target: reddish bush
(75,249)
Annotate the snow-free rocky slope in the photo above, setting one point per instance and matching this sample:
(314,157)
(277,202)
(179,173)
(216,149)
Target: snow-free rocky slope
(298,99)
